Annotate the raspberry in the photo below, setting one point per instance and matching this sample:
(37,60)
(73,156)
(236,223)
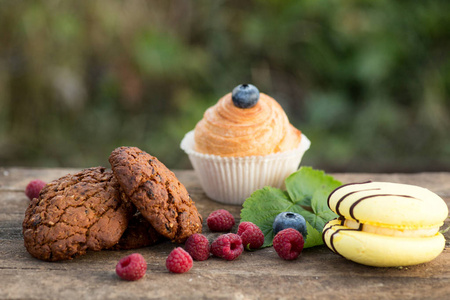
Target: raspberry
(220,220)
(252,237)
(33,188)
(131,267)
(179,261)
(228,246)
(197,245)
(288,243)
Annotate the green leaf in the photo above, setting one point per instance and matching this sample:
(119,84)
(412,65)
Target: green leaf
(322,212)
(263,206)
(307,194)
(314,237)
(303,184)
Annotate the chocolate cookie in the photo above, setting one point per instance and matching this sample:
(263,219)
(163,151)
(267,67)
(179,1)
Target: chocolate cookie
(156,192)
(76,213)
(139,233)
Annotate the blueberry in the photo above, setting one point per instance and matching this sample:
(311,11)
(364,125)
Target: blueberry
(245,96)
(290,220)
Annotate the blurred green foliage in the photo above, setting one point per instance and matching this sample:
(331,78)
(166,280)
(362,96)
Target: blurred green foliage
(367,81)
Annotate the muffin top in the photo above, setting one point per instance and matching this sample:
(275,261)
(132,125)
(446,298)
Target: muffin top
(228,130)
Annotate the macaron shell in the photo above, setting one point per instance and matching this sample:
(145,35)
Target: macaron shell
(378,250)
(389,204)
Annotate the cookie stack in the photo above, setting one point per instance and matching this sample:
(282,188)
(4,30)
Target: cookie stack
(137,204)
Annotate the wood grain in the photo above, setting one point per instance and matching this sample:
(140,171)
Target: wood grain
(317,274)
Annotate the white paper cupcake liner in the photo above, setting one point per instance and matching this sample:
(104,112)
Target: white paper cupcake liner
(231,180)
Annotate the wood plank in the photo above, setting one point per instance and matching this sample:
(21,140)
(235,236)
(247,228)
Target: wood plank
(317,274)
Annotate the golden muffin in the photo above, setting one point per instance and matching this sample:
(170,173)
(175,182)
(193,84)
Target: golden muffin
(243,143)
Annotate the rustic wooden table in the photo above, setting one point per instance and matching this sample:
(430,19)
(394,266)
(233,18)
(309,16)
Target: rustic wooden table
(317,274)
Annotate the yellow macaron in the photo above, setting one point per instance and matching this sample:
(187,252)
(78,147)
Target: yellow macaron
(386,224)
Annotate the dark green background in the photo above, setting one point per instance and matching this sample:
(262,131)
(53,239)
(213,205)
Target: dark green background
(367,81)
